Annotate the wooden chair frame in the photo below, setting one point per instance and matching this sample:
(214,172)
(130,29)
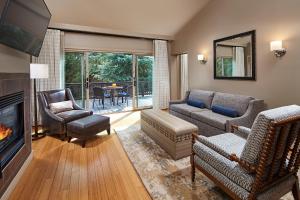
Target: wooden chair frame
(291,153)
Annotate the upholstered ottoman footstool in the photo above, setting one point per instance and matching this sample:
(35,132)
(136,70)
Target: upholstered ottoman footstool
(87,127)
(174,135)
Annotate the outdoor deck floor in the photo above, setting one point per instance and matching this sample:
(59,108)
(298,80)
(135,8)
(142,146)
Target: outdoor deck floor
(143,102)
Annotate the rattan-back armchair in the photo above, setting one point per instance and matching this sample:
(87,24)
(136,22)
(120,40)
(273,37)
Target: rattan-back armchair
(257,163)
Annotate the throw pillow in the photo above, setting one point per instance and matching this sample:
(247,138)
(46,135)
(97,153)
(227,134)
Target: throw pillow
(230,112)
(61,106)
(196,103)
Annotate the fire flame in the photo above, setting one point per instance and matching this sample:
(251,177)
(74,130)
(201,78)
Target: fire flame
(4,131)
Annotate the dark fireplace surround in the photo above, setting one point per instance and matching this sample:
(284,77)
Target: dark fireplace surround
(15,137)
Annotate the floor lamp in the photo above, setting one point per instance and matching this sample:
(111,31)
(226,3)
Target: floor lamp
(37,71)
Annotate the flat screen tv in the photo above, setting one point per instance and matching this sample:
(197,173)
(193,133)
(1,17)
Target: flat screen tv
(23,24)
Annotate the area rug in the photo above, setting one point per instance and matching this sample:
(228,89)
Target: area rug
(163,177)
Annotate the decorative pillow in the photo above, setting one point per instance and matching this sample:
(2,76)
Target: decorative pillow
(61,106)
(196,103)
(230,112)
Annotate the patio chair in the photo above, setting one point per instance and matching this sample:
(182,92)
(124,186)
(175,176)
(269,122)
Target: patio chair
(257,163)
(125,93)
(101,95)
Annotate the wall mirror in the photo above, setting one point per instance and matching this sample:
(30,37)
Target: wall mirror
(234,57)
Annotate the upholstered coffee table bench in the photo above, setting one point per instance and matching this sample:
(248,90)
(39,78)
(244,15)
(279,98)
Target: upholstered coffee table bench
(174,135)
(87,127)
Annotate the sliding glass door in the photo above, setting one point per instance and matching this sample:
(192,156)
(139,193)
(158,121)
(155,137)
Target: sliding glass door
(143,68)
(110,82)
(75,76)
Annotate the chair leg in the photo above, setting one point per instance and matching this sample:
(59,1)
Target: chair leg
(103,103)
(83,143)
(295,190)
(94,102)
(69,139)
(193,170)
(108,131)
(62,137)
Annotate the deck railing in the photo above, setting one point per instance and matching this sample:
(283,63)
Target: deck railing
(144,87)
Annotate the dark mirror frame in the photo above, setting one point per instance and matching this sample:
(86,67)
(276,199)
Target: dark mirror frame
(253,41)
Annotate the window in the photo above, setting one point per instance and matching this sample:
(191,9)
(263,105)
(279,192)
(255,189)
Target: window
(224,66)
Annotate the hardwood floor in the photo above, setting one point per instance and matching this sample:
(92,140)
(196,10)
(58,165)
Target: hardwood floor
(61,170)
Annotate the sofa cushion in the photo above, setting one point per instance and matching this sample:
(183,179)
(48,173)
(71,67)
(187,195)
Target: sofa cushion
(196,103)
(73,115)
(202,95)
(238,102)
(214,119)
(230,112)
(185,109)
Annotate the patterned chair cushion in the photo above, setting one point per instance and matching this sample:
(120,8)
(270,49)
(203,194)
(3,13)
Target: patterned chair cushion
(202,95)
(211,118)
(259,130)
(185,109)
(273,193)
(238,102)
(223,165)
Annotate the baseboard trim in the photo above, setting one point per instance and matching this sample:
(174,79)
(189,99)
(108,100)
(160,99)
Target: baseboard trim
(14,182)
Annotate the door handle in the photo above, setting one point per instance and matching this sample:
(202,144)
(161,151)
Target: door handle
(87,82)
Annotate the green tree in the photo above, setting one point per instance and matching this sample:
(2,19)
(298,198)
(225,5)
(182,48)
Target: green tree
(110,67)
(106,67)
(73,67)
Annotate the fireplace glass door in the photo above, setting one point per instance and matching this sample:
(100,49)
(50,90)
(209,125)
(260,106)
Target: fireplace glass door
(11,126)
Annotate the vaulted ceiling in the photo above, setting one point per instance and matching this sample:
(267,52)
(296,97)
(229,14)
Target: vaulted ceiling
(163,17)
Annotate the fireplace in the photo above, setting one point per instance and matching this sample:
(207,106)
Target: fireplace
(11,126)
(15,126)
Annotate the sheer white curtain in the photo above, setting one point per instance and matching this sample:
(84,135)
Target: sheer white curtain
(161,76)
(52,54)
(238,62)
(184,75)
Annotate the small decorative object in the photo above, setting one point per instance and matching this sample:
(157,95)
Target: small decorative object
(202,58)
(37,71)
(276,47)
(114,85)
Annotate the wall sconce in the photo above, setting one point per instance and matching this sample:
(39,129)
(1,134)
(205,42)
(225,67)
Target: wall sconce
(276,47)
(202,58)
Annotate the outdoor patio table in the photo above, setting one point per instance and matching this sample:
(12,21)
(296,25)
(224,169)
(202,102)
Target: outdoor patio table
(112,89)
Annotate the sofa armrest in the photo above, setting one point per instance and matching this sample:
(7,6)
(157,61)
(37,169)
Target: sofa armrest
(241,131)
(53,116)
(176,102)
(255,107)
(184,100)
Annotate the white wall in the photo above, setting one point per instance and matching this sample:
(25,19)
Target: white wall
(278,80)
(13,61)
